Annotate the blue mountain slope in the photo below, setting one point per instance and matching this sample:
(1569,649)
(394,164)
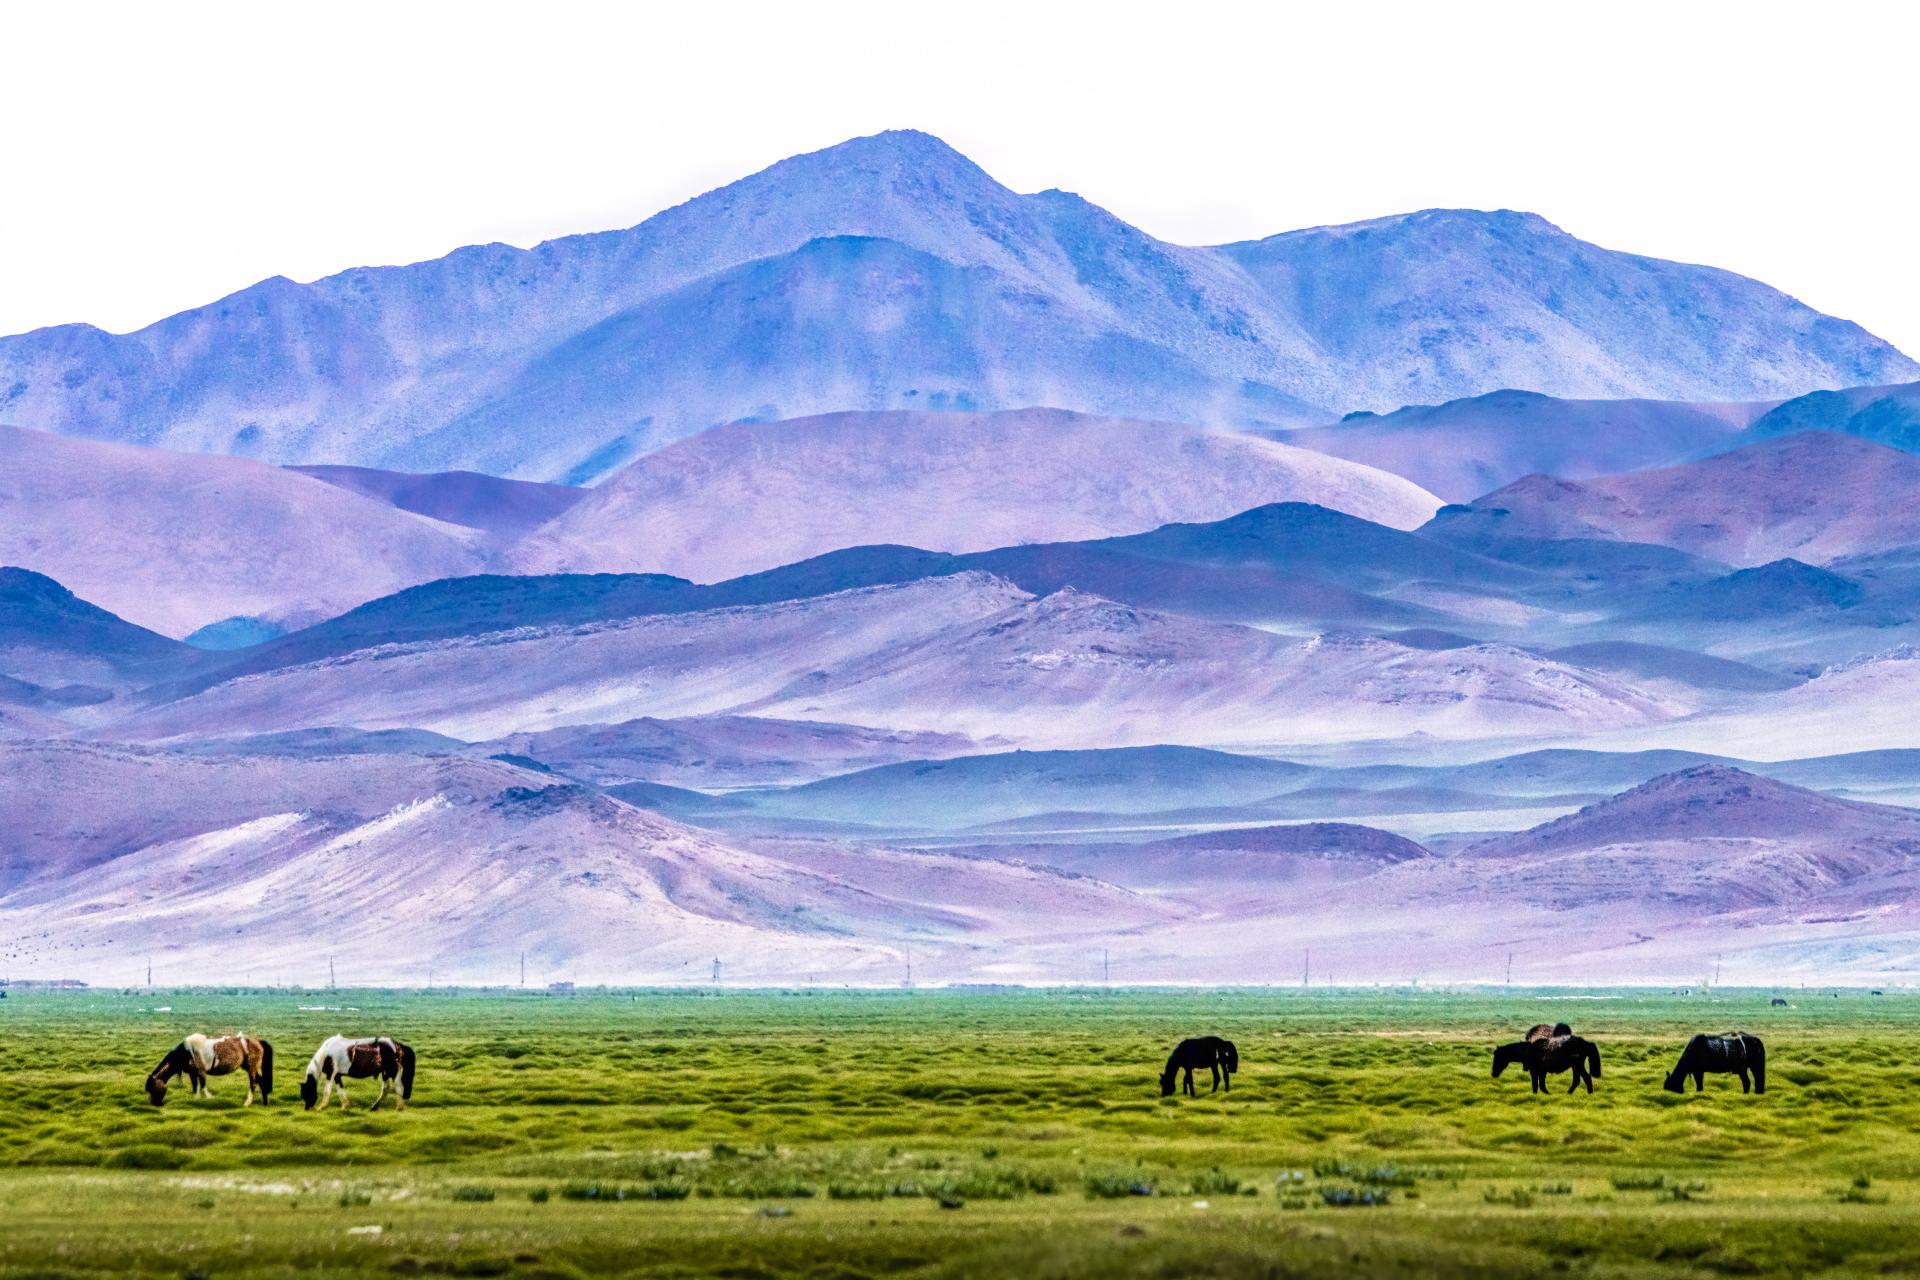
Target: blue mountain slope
(37,613)
(1885,415)
(564,360)
(973,789)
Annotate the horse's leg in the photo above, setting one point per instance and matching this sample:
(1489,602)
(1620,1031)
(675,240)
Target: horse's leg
(1746,1086)
(1215,1068)
(1700,1082)
(382,1096)
(343,1092)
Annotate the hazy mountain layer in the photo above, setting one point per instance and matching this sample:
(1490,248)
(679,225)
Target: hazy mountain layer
(751,497)
(1466,448)
(173,541)
(1815,496)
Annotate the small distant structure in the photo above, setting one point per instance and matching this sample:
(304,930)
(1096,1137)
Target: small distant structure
(560,988)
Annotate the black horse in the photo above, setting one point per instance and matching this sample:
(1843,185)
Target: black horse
(1549,1055)
(1211,1052)
(1736,1052)
(1506,1055)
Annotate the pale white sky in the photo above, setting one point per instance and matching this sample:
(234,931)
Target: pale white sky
(157,156)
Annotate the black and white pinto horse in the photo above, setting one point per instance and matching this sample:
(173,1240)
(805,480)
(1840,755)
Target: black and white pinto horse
(1549,1050)
(340,1059)
(1217,1055)
(1736,1053)
(199,1056)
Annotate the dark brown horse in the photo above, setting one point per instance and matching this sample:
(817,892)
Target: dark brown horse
(1550,1055)
(1735,1053)
(1217,1055)
(1506,1055)
(198,1057)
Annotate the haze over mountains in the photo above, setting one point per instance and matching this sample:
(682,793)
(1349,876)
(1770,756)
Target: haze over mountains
(865,559)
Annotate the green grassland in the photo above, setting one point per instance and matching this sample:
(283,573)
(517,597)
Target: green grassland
(945,1134)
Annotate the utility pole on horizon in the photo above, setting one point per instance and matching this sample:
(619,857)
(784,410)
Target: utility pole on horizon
(1509,968)
(1306,976)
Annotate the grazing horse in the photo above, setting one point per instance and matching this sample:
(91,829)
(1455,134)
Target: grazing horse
(340,1059)
(1506,1055)
(1736,1052)
(1217,1055)
(1550,1055)
(198,1057)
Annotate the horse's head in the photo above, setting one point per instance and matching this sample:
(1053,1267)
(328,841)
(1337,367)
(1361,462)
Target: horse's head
(1166,1082)
(1676,1081)
(1506,1055)
(1229,1056)
(171,1065)
(309,1090)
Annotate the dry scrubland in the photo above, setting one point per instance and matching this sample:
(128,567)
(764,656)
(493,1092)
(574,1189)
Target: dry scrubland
(942,1134)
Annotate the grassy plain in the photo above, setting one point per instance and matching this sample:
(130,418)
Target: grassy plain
(948,1134)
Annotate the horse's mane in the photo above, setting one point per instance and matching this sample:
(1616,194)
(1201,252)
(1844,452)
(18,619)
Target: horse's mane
(177,1058)
(406,1069)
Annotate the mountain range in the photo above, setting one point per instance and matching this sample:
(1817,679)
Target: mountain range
(864,561)
(889,273)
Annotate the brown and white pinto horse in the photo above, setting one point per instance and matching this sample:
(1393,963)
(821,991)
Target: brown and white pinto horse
(198,1057)
(340,1059)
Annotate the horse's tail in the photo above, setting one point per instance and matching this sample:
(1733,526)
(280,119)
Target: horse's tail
(266,1070)
(1593,1058)
(1757,1051)
(406,1071)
